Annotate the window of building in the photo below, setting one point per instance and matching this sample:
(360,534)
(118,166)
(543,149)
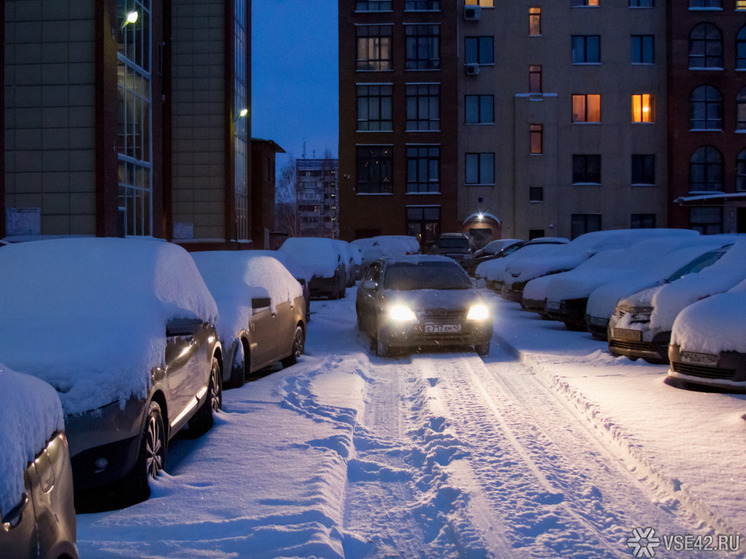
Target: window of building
(373,6)
(705,46)
(480,168)
(586,168)
(423,169)
(586,108)
(584,223)
(423,106)
(423,222)
(374,104)
(534,22)
(706,4)
(586,49)
(741,48)
(741,110)
(479,109)
(374,47)
(643,107)
(534,79)
(422,47)
(583,3)
(536,132)
(706,170)
(483,3)
(741,171)
(706,108)
(641,4)
(422,5)
(643,169)
(642,49)
(479,50)
(708,221)
(374,169)
(536,194)
(643,221)
(740,5)
(242,134)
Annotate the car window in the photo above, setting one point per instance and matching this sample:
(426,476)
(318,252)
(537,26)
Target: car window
(698,264)
(453,242)
(425,275)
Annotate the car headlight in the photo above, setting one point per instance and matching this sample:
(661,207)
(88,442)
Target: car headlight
(478,311)
(401,313)
(640,314)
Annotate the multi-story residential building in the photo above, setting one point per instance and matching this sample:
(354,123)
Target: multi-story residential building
(125,118)
(398,92)
(317,197)
(707,124)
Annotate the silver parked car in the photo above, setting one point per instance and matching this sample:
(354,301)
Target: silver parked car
(124,330)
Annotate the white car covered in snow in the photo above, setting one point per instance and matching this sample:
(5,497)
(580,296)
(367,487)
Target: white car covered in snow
(641,324)
(262,311)
(322,258)
(123,329)
(708,341)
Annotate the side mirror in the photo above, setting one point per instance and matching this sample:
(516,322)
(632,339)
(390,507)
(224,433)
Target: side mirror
(260,302)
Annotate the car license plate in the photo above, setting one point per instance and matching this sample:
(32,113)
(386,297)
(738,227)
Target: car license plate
(707,359)
(431,328)
(627,335)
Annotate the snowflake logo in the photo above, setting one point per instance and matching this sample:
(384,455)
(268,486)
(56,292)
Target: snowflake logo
(643,542)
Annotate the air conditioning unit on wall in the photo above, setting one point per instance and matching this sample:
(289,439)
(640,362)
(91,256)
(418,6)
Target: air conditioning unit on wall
(472,69)
(472,13)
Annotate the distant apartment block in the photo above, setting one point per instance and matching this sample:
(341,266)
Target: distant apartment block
(317,198)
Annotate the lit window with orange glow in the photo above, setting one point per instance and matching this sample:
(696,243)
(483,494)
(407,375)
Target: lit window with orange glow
(534,22)
(643,108)
(584,3)
(586,108)
(483,3)
(537,139)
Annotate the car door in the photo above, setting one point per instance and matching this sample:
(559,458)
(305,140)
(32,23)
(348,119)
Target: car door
(186,362)
(262,333)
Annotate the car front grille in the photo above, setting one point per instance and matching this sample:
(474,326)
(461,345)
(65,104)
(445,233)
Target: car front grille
(631,346)
(442,315)
(703,372)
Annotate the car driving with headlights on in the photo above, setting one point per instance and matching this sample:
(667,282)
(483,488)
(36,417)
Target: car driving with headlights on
(410,302)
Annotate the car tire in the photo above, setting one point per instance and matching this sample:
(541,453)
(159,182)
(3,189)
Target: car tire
(482,349)
(202,421)
(299,344)
(238,372)
(151,457)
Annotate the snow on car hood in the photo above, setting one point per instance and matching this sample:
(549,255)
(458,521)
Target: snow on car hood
(714,324)
(30,412)
(89,315)
(235,277)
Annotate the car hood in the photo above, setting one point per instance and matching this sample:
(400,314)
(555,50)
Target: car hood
(434,298)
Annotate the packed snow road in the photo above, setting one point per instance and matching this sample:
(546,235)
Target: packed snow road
(430,455)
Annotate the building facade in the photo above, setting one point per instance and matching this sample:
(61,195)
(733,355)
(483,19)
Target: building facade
(122,117)
(707,124)
(317,197)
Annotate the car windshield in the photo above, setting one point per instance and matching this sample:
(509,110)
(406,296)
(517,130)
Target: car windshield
(425,275)
(698,264)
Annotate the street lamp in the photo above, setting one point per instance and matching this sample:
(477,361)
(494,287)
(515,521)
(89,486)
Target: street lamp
(242,113)
(130,18)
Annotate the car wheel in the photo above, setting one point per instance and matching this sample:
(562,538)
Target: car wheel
(382,345)
(482,349)
(151,458)
(202,421)
(299,344)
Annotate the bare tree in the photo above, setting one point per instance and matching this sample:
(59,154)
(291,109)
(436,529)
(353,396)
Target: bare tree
(286,202)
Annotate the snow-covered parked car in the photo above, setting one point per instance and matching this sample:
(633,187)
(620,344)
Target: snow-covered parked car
(36,486)
(567,292)
(422,300)
(322,259)
(348,257)
(297,270)
(262,312)
(494,271)
(491,251)
(641,324)
(522,269)
(373,248)
(123,330)
(674,265)
(708,341)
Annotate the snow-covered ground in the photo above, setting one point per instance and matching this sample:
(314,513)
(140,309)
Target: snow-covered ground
(548,447)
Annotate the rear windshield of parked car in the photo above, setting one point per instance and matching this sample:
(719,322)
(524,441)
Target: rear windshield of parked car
(425,275)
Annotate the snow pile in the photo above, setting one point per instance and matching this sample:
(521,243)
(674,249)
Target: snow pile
(526,267)
(235,277)
(721,276)
(602,301)
(374,248)
(89,315)
(320,256)
(30,412)
(714,324)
